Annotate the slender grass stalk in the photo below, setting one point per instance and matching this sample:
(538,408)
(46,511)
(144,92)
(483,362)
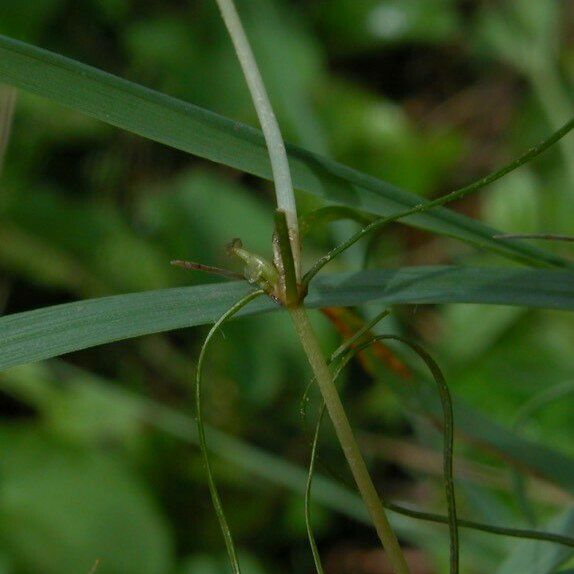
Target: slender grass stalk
(520,533)
(286,204)
(331,213)
(347,352)
(229,544)
(523,533)
(310,534)
(453,195)
(545,236)
(448,441)
(339,352)
(269,125)
(347,439)
(344,347)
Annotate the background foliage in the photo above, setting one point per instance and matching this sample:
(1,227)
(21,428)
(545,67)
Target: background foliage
(99,456)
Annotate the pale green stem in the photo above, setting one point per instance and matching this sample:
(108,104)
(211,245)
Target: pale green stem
(347,439)
(269,125)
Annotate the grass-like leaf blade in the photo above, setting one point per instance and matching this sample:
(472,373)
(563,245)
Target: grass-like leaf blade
(195,130)
(53,331)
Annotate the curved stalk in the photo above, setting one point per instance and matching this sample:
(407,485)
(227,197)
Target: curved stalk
(229,544)
(452,196)
(347,439)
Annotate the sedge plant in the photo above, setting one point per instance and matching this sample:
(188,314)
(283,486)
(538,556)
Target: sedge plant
(283,281)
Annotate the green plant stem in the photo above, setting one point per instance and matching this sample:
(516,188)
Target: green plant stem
(269,125)
(523,533)
(347,439)
(453,195)
(225,530)
(448,433)
(544,236)
(310,535)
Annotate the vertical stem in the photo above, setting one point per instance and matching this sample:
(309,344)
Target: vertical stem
(269,125)
(347,439)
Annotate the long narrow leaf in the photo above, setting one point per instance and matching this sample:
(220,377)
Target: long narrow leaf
(53,331)
(192,129)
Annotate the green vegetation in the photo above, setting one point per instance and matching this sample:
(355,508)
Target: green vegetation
(96,471)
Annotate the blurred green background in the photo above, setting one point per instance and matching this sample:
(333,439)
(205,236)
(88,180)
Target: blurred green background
(98,453)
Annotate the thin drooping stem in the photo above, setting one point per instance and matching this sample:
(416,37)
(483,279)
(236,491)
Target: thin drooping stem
(347,352)
(524,533)
(339,352)
(452,196)
(269,125)
(201,430)
(310,535)
(448,441)
(351,341)
(347,440)
(544,236)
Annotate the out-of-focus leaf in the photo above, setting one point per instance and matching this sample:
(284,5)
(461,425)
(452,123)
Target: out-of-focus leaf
(487,323)
(192,129)
(531,355)
(36,387)
(377,137)
(204,564)
(182,217)
(90,236)
(76,409)
(52,331)
(25,19)
(539,558)
(514,204)
(523,32)
(61,509)
(352,26)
